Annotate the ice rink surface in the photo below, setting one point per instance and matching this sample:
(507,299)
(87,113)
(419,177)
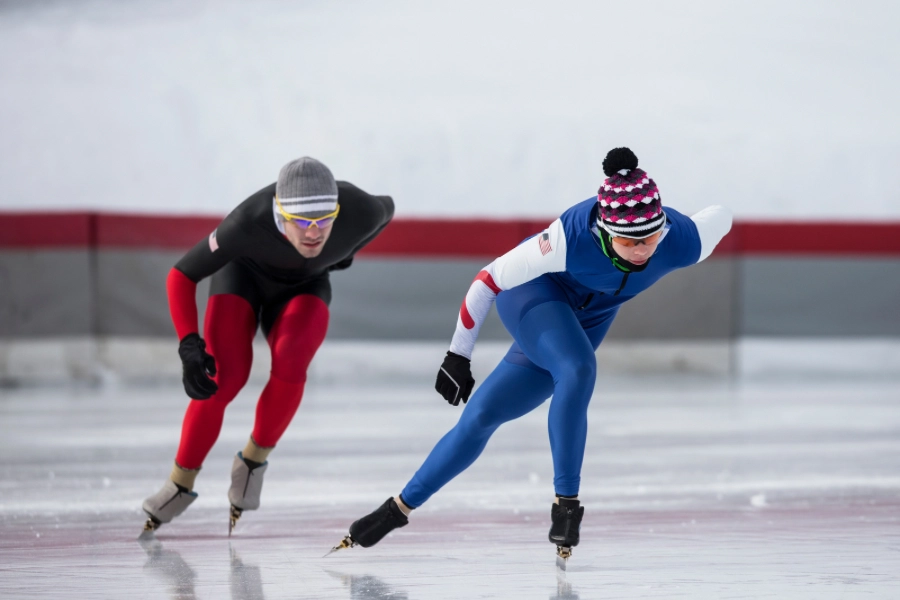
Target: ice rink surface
(693,489)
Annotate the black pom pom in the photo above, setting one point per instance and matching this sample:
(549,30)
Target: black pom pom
(617,159)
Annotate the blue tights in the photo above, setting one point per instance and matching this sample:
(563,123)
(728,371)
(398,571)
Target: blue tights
(553,354)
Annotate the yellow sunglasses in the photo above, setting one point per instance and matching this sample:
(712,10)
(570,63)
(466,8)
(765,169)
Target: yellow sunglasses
(306,222)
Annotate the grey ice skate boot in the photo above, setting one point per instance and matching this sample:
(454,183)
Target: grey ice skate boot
(166,504)
(246,487)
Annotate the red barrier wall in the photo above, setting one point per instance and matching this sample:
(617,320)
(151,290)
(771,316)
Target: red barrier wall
(429,238)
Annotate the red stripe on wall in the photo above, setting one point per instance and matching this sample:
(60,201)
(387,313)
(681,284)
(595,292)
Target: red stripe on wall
(428,238)
(165,232)
(452,237)
(767,238)
(46,230)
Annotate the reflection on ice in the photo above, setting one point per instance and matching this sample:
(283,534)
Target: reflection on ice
(172,571)
(246,580)
(367,587)
(692,490)
(169,569)
(564,589)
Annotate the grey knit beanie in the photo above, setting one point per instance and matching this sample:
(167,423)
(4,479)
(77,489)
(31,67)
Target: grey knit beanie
(306,188)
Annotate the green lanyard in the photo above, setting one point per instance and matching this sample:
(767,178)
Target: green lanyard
(614,259)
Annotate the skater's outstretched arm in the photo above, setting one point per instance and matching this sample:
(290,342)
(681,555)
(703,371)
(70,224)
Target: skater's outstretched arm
(543,253)
(383,206)
(205,258)
(713,222)
(201,261)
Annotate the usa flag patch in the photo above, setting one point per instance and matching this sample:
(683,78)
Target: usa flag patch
(544,242)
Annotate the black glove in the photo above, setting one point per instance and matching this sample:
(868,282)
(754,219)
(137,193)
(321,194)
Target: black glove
(197,367)
(454,380)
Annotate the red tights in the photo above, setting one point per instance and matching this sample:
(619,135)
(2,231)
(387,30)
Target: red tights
(229,327)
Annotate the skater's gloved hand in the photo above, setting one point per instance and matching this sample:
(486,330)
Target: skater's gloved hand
(197,367)
(454,380)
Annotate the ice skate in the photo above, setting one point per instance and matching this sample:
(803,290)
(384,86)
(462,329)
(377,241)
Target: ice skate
(564,532)
(166,504)
(246,487)
(369,530)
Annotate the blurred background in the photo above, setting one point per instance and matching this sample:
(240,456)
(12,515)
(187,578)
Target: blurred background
(129,129)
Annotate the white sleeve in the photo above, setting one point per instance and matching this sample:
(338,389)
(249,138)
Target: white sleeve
(713,222)
(544,253)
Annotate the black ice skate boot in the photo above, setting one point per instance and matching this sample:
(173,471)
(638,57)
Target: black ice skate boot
(369,530)
(564,532)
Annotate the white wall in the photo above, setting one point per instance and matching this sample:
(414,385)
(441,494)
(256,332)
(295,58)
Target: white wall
(456,107)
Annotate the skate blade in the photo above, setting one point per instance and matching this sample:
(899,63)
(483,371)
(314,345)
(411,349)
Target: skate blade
(233,517)
(563,553)
(347,542)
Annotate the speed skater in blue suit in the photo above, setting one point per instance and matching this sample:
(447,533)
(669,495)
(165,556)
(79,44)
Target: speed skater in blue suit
(557,293)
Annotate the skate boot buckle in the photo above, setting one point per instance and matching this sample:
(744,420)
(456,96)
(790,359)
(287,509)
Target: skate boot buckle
(347,542)
(151,525)
(563,553)
(233,517)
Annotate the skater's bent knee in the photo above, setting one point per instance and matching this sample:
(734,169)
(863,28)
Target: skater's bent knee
(580,370)
(480,422)
(230,382)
